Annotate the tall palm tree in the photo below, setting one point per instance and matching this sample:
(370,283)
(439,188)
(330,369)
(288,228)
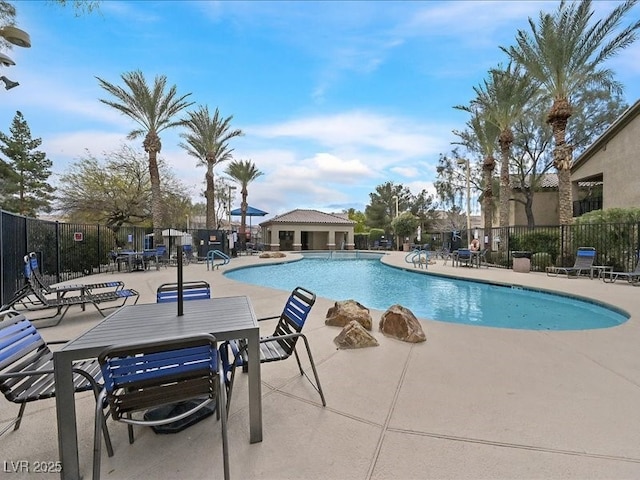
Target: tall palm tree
(481,137)
(503,98)
(565,54)
(154,109)
(207,140)
(243,172)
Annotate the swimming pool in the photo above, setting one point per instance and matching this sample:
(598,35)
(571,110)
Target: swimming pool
(378,286)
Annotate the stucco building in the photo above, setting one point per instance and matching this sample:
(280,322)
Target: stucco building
(308,230)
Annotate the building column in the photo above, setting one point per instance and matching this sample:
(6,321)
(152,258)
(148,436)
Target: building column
(297,239)
(331,240)
(274,246)
(350,242)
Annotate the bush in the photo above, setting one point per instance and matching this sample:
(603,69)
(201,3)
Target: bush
(536,242)
(540,261)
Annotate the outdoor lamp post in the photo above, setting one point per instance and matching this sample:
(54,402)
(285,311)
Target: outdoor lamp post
(395,197)
(231,187)
(465,162)
(16,37)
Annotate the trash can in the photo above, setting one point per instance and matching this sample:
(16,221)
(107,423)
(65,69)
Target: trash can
(521,261)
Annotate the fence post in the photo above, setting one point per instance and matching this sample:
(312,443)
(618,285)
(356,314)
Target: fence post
(57,252)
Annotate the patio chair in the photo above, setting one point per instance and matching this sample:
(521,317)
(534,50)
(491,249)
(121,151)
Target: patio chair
(33,297)
(281,344)
(26,368)
(162,256)
(143,376)
(195,290)
(633,277)
(585,257)
(465,256)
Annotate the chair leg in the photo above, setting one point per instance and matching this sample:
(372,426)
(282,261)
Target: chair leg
(15,423)
(222,409)
(317,386)
(97,447)
(19,417)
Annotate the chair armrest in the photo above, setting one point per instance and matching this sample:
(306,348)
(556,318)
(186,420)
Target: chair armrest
(268,318)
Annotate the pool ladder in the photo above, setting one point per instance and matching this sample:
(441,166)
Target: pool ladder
(418,257)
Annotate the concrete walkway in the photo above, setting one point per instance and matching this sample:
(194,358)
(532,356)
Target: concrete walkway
(470,403)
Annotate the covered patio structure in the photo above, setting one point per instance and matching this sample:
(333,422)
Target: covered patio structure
(308,230)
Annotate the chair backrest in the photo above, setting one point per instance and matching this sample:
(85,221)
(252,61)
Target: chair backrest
(145,375)
(464,253)
(195,290)
(294,316)
(32,272)
(585,257)
(21,348)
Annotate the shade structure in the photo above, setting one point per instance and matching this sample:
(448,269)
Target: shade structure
(251,212)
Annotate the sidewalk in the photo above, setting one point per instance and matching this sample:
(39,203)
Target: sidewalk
(469,403)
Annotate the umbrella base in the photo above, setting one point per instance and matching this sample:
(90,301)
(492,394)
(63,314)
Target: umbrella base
(176,409)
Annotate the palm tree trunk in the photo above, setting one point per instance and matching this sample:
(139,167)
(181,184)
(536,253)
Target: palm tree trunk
(156,197)
(243,220)
(209,195)
(562,157)
(488,167)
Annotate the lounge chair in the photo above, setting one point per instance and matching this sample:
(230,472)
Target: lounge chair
(633,277)
(281,344)
(34,297)
(139,377)
(27,372)
(34,266)
(585,257)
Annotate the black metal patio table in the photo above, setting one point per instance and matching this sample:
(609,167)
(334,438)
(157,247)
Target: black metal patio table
(227,318)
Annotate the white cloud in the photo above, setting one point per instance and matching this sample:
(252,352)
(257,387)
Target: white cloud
(402,138)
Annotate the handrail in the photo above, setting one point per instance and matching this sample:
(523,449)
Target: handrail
(212,254)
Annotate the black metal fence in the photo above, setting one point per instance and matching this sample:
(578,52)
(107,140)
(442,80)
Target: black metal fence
(71,250)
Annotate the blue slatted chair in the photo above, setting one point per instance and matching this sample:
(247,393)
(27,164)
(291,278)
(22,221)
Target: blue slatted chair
(585,256)
(26,368)
(143,376)
(194,290)
(34,297)
(281,344)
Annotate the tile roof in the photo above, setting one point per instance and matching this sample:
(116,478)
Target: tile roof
(310,216)
(548,180)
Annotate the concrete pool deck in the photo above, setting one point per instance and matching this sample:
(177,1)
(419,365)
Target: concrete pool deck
(469,403)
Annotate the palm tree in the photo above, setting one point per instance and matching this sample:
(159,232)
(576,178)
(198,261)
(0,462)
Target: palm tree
(503,99)
(207,140)
(154,110)
(243,172)
(565,54)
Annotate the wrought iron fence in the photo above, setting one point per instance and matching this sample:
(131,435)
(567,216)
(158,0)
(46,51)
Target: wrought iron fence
(70,250)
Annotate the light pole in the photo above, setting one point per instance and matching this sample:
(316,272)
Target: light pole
(395,197)
(231,187)
(465,162)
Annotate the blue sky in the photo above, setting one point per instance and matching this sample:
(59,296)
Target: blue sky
(334,97)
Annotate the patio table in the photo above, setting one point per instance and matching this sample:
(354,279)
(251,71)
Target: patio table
(226,318)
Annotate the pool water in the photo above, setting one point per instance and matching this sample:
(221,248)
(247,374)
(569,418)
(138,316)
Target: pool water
(378,286)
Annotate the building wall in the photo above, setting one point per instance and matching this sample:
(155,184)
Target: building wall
(545,209)
(618,161)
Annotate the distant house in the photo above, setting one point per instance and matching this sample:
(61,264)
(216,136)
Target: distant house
(308,230)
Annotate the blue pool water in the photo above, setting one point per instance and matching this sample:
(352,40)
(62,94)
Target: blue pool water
(378,286)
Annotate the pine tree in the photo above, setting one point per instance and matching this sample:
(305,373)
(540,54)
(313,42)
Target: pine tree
(26,190)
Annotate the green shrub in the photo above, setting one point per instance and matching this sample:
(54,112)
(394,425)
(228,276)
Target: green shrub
(537,242)
(540,261)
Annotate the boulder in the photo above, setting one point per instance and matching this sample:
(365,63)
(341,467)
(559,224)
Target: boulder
(272,255)
(400,322)
(353,335)
(345,311)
